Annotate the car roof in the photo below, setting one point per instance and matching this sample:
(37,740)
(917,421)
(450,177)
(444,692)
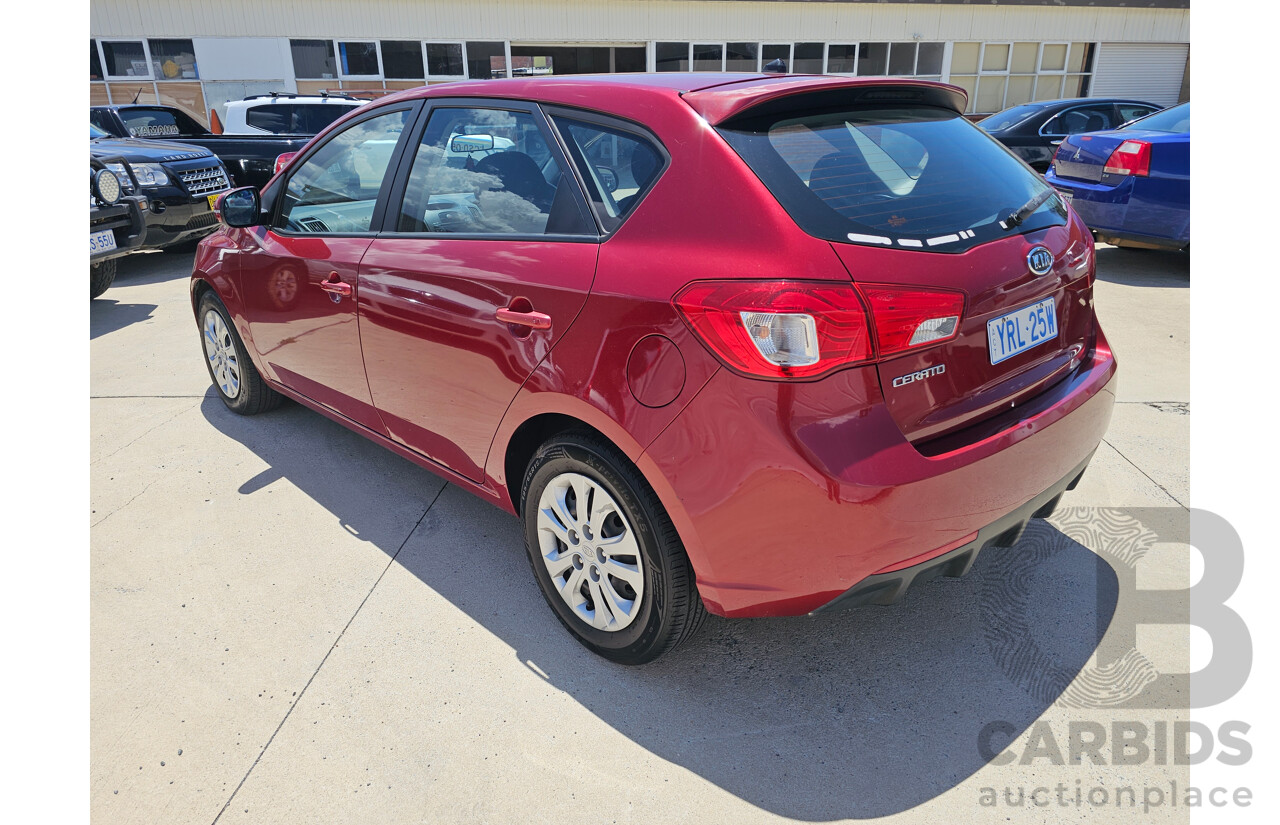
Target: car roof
(716,96)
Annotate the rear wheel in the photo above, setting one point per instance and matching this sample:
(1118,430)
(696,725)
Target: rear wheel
(101,276)
(235,377)
(605,553)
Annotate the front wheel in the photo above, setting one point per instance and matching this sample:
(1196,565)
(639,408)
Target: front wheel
(236,379)
(605,553)
(101,276)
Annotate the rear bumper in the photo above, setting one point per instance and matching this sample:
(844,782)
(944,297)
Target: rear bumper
(1121,212)
(787,495)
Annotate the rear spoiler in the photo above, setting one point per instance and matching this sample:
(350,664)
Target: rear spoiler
(774,94)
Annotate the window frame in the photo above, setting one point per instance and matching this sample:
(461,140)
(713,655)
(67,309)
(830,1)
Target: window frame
(1041,131)
(281,186)
(620,124)
(337,65)
(426,60)
(377,53)
(388,221)
(107,77)
(382,66)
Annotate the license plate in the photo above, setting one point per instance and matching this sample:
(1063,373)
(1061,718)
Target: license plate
(1022,329)
(103,241)
(213,199)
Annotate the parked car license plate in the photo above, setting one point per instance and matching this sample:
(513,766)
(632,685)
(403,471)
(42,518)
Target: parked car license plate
(1022,329)
(103,241)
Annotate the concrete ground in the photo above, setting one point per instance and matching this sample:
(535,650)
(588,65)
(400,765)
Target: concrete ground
(290,624)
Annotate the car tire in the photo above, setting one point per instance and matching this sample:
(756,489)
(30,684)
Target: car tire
(101,276)
(234,376)
(622,531)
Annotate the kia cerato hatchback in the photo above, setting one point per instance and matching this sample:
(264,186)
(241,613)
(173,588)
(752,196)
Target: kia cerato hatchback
(747,344)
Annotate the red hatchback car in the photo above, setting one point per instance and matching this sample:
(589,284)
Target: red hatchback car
(756,345)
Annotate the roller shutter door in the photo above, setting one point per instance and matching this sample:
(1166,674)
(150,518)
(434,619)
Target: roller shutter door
(1146,71)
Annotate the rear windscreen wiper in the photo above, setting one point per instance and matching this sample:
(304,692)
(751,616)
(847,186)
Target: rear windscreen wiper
(1022,213)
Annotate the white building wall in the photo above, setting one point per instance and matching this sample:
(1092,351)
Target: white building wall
(584,21)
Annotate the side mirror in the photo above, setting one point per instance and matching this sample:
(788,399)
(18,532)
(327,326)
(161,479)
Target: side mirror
(239,207)
(608,178)
(465,144)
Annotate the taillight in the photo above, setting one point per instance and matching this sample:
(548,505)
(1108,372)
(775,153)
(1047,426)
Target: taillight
(283,160)
(909,317)
(798,329)
(1133,157)
(779,329)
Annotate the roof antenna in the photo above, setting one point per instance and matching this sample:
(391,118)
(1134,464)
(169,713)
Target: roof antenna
(138,95)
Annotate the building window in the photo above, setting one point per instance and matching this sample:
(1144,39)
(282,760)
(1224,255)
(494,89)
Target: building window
(929,59)
(708,57)
(486,59)
(402,59)
(1000,75)
(873,59)
(445,60)
(772,53)
(359,58)
(95,62)
(173,60)
(742,57)
(313,59)
(671,57)
(125,58)
(842,58)
(808,58)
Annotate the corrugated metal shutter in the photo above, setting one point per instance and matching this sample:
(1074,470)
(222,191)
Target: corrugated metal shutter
(1146,71)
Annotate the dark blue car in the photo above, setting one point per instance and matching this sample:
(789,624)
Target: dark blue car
(1131,185)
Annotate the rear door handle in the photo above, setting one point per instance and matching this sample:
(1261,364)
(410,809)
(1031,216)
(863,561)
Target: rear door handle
(335,286)
(533,320)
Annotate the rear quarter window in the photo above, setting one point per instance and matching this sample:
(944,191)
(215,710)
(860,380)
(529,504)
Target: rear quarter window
(914,177)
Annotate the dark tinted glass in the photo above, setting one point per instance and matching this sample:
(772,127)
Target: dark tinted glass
(295,118)
(1009,117)
(1177,119)
(629,58)
(313,59)
(771,52)
(671,57)
(741,57)
(902,59)
(873,58)
(808,58)
(125,58)
(708,57)
(359,58)
(1082,119)
(95,64)
(915,177)
(930,59)
(618,166)
(402,59)
(486,60)
(444,59)
(842,59)
(147,122)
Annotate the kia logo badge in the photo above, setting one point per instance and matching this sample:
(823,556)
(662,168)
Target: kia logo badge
(1040,260)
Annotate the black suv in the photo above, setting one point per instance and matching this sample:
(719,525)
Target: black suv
(178,181)
(116,223)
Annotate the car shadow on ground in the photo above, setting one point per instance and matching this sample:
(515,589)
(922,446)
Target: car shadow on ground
(1144,267)
(858,714)
(106,315)
(153,267)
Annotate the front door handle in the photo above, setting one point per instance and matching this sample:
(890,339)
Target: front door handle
(336,287)
(531,319)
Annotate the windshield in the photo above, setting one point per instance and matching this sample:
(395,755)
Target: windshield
(1176,119)
(95,132)
(915,177)
(1009,117)
(158,122)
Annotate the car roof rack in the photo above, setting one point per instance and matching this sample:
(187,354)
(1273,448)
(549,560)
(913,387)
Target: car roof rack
(289,95)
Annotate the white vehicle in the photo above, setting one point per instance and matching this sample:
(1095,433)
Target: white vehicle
(286,114)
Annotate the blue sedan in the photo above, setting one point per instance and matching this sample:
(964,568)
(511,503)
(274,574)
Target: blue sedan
(1131,185)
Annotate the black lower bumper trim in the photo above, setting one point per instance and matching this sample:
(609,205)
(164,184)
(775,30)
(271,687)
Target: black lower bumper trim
(887,588)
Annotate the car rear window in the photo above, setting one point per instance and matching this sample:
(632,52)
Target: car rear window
(917,177)
(143,122)
(295,118)
(1176,119)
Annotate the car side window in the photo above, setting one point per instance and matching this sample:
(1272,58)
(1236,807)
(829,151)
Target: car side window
(618,166)
(337,188)
(1129,111)
(1081,119)
(488,172)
